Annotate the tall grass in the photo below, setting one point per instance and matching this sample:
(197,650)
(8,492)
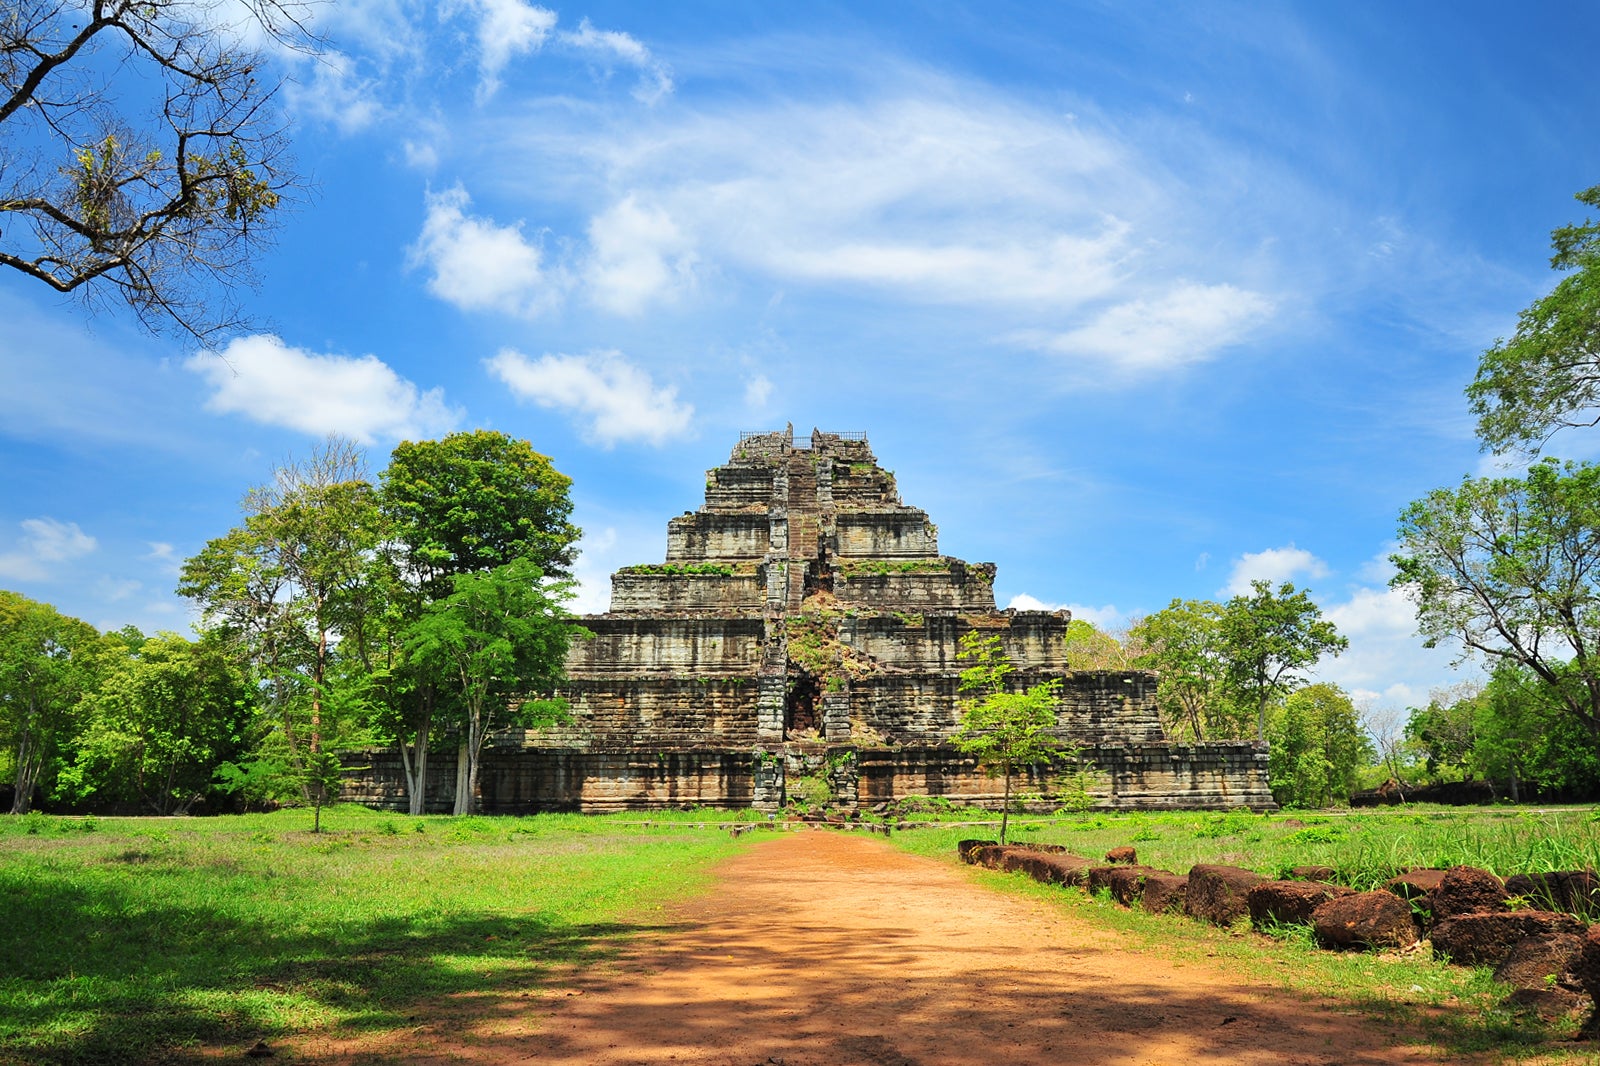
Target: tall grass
(141,940)
(1364,848)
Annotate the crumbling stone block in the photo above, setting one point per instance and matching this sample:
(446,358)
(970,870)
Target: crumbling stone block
(1486,939)
(1124,854)
(1219,894)
(1572,891)
(1365,920)
(1289,902)
(1313,873)
(1164,892)
(1466,890)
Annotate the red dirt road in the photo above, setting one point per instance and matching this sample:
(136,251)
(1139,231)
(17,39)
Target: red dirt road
(823,949)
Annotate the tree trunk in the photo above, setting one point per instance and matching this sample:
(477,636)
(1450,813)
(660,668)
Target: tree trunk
(1005,806)
(27,776)
(462,804)
(414,762)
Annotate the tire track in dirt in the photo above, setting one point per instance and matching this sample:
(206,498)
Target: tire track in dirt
(825,949)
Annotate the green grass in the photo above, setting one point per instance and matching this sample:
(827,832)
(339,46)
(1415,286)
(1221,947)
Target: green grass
(1462,1009)
(143,940)
(1364,847)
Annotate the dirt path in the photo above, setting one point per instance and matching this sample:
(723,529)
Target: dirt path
(822,949)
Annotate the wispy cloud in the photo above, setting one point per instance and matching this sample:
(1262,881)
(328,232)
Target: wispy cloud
(505,29)
(360,397)
(607,46)
(612,399)
(44,542)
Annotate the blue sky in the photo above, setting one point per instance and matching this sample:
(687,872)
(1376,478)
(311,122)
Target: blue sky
(1139,301)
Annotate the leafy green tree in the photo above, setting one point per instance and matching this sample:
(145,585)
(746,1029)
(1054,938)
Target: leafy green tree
(1510,568)
(165,714)
(1092,648)
(1270,636)
(291,589)
(473,501)
(1006,730)
(1445,732)
(47,663)
(1318,747)
(1548,375)
(465,504)
(498,636)
(1183,644)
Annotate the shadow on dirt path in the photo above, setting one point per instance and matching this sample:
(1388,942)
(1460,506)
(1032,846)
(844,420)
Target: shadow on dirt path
(822,949)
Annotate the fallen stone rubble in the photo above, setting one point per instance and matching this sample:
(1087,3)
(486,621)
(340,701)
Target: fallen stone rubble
(1528,927)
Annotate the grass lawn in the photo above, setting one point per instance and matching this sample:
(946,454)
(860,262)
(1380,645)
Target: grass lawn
(132,940)
(1461,1008)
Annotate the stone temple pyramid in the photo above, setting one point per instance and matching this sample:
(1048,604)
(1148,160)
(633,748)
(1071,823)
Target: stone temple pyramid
(801,634)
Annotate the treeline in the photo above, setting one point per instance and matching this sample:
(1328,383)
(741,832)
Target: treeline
(1236,670)
(341,612)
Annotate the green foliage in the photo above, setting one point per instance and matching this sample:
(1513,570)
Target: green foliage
(163,715)
(1318,748)
(1510,568)
(1183,643)
(859,567)
(1548,375)
(501,633)
(47,662)
(478,500)
(1270,637)
(1089,648)
(682,569)
(1006,730)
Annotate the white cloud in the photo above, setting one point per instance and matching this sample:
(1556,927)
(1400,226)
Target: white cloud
(1275,565)
(593,570)
(165,556)
(359,397)
(328,88)
(506,29)
(655,80)
(1386,662)
(479,265)
(1105,617)
(1183,325)
(757,391)
(617,399)
(639,255)
(928,192)
(44,541)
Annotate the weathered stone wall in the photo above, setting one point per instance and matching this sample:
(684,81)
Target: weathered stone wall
(931,643)
(654,713)
(1095,707)
(898,534)
(636,593)
(960,588)
(704,535)
(698,646)
(515,781)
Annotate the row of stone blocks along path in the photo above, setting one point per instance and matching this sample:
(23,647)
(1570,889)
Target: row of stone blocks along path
(1531,928)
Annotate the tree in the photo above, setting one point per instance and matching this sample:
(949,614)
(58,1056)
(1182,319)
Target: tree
(1445,732)
(465,504)
(1510,567)
(47,663)
(1004,729)
(1268,637)
(289,589)
(1548,375)
(1318,747)
(141,155)
(1091,648)
(475,501)
(499,635)
(1183,643)
(166,713)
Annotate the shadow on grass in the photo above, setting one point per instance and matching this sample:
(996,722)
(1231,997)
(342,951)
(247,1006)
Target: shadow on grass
(104,975)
